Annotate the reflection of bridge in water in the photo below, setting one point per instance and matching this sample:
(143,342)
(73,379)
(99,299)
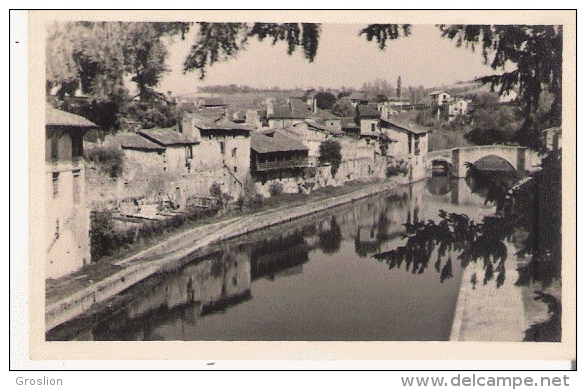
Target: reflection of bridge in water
(488,157)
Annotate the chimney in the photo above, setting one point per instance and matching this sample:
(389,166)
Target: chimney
(314,105)
(188,127)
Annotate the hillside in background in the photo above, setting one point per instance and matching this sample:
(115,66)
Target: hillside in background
(463,88)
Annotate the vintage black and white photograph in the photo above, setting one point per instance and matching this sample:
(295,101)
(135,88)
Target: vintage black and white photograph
(258,180)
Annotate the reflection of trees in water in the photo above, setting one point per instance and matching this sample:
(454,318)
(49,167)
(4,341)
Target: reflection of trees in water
(455,236)
(330,240)
(493,186)
(533,207)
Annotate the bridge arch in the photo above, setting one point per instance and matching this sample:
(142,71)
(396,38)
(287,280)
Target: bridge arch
(493,162)
(507,157)
(520,158)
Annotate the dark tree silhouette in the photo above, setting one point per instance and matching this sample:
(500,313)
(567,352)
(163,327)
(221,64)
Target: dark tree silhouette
(330,152)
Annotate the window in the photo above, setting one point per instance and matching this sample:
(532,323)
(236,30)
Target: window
(235,169)
(222,147)
(54,147)
(417,146)
(189,152)
(234,152)
(76,147)
(55,184)
(373,127)
(76,187)
(409,142)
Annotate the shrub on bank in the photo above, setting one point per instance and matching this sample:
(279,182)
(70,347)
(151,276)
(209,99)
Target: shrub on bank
(276,189)
(396,168)
(105,239)
(108,159)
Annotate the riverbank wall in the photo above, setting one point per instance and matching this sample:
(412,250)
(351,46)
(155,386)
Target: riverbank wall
(174,252)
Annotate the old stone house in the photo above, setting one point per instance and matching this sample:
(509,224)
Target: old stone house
(277,159)
(411,142)
(178,153)
(457,107)
(140,151)
(312,133)
(358,154)
(439,98)
(67,217)
(368,117)
(223,154)
(295,111)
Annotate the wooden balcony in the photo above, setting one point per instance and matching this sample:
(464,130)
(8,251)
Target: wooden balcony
(282,164)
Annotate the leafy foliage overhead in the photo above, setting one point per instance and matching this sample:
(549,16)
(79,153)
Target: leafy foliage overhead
(219,41)
(383,32)
(534,53)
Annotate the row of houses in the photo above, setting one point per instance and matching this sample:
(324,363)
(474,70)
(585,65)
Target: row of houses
(176,167)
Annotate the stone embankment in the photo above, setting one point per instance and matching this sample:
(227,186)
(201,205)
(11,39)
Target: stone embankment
(176,251)
(487,313)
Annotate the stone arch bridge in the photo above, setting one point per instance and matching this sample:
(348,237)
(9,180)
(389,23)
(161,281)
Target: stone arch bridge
(495,157)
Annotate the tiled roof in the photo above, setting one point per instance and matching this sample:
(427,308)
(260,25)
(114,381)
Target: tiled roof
(406,123)
(349,123)
(168,137)
(368,111)
(135,141)
(261,142)
(322,126)
(211,114)
(55,117)
(239,115)
(204,122)
(437,92)
(295,109)
(324,114)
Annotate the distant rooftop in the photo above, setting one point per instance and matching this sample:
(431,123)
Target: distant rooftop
(357,96)
(215,122)
(404,122)
(294,109)
(168,137)
(322,126)
(135,141)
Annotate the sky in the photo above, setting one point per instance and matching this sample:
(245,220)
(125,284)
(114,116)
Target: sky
(343,59)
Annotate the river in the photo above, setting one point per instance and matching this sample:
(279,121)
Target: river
(314,278)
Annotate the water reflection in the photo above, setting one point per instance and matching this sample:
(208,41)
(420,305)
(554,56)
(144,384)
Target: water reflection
(455,235)
(310,279)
